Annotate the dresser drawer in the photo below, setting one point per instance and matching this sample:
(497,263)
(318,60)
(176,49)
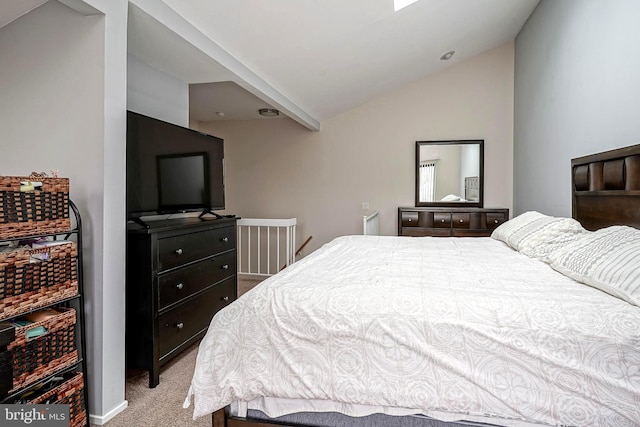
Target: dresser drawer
(442,219)
(180,284)
(185,321)
(460,220)
(494,219)
(178,250)
(463,232)
(409,219)
(423,232)
(453,221)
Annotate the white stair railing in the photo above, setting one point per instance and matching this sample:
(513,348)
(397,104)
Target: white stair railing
(371,224)
(265,246)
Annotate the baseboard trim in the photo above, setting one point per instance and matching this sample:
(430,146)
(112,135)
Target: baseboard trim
(102,420)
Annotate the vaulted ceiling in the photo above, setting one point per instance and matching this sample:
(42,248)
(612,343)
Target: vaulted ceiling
(310,59)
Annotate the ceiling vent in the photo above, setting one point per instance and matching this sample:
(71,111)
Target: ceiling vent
(268,112)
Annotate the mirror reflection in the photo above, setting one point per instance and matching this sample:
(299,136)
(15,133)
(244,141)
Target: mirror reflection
(449,173)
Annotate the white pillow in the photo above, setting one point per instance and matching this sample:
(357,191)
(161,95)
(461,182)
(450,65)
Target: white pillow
(509,231)
(537,235)
(547,235)
(607,259)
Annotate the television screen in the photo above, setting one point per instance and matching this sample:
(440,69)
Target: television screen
(183,182)
(148,139)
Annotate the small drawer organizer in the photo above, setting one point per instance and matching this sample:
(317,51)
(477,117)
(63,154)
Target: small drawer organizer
(42,362)
(36,358)
(70,392)
(27,285)
(27,213)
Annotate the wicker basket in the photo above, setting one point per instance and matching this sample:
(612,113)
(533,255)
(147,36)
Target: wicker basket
(29,213)
(25,285)
(70,392)
(46,354)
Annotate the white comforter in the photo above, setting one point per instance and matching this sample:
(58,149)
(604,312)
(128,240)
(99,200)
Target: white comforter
(439,325)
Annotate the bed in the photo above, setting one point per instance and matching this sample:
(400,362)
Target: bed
(536,325)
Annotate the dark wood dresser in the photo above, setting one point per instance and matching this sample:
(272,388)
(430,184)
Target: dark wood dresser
(450,222)
(180,272)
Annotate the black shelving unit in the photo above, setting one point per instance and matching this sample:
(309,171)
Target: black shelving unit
(76,302)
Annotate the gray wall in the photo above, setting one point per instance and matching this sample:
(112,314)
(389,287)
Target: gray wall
(577,92)
(63,106)
(156,94)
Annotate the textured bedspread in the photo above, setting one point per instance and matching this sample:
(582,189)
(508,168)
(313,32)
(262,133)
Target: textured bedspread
(439,325)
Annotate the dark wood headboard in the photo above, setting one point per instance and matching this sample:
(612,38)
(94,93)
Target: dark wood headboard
(606,188)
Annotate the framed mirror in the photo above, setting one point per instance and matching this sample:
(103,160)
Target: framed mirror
(450,173)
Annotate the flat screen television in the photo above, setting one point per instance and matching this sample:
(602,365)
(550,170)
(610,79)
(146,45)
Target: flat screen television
(183,181)
(172,169)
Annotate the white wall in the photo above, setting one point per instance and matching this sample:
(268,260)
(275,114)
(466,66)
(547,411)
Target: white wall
(277,169)
(156,94)
(106,384)
(577,92)
(51,112)
(63,85)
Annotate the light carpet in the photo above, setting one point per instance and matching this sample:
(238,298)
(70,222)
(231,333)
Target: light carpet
(162,406)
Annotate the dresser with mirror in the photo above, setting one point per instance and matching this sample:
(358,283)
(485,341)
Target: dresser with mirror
(449,192)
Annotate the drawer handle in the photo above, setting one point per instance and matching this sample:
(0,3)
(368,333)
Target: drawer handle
(180,325)
(179,251)
(443,220)
(495,221)
(461,221)
(179,286)
(410,220)
(225,267)
(224,239)
(225,299)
